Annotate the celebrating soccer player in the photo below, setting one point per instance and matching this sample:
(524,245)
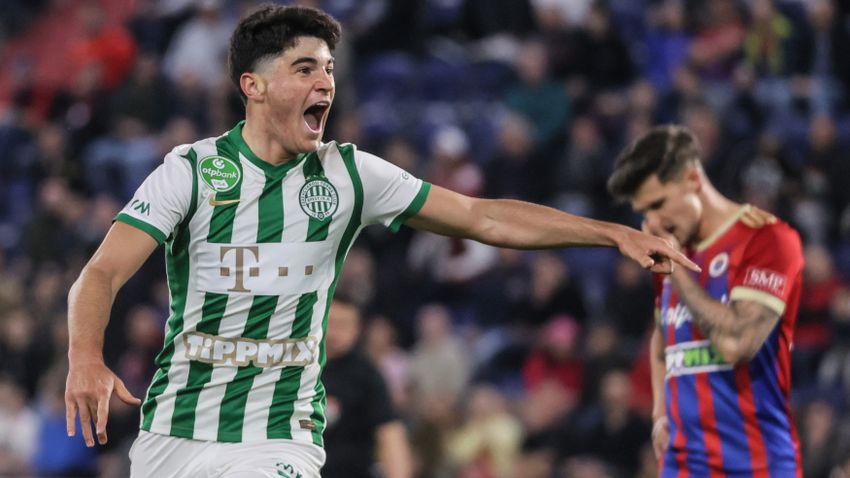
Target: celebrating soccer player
(256,225)
(720,356)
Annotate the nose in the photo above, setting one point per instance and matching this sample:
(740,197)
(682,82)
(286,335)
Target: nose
(653,220)
(325,82)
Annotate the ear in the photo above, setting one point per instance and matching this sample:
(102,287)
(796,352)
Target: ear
(693,179)
(253,85)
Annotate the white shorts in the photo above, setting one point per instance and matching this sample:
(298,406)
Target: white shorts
(161,456)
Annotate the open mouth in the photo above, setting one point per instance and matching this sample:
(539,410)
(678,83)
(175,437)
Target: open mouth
(314,115)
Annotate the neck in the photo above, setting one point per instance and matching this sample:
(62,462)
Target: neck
(717,209)
(262,142)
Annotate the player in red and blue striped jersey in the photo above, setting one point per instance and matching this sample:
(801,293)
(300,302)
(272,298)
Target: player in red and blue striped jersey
(720,355)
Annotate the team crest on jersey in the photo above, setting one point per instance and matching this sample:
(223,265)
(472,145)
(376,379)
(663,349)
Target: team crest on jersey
(319,199)
(287,471)
(219,173)
(718,265)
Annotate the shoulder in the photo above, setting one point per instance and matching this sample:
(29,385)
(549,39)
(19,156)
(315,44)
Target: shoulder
(348,151)
(779,236)
(363,162)
(776,245)
(192,152)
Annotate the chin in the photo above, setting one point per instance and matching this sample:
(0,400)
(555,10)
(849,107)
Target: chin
(309,145)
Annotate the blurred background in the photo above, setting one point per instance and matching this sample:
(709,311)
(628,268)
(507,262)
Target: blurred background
(500,363)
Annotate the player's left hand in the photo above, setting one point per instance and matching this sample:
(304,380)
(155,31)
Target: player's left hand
(657,254)
(660,437)
(88,388)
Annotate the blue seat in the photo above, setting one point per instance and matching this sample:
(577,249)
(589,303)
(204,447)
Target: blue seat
(442,80)
(388,77)
(489,79)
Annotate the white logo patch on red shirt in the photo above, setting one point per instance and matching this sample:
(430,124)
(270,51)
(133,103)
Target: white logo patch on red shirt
(766,280)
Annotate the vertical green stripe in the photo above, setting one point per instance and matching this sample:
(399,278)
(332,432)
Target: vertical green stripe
(286,388)
(232,413)
(177,272)
(183,420)
(348,236)
(221,223)
(270,229)
(286,391)
(271,211)
(220,232)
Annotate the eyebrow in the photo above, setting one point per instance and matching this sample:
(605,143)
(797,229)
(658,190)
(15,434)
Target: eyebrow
(310,60)
(652,205)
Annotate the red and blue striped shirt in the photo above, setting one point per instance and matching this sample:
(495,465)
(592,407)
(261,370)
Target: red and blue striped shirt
(733,420)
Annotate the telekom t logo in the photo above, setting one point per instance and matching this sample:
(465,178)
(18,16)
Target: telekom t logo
(246,259)
(239,286)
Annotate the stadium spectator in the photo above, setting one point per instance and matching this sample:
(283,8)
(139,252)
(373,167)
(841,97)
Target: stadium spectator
(557,360)
(542,101)
(615,434)
(553,290)
(197,53)
(393,362)
(20,425)
(488,442)
(667,44)
(108,50)
(363,428)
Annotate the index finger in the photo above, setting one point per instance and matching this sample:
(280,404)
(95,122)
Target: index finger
(680,259)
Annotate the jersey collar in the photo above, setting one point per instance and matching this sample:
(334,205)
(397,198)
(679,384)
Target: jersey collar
(235,137)
(705,243)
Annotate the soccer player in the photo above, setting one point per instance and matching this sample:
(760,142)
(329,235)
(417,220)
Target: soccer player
(256,225)
(720,356)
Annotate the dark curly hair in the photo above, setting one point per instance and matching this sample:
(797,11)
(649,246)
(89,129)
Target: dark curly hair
(272,29)
(664,150)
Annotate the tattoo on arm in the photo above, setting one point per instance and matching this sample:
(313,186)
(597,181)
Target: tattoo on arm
(737,331)
(754,323)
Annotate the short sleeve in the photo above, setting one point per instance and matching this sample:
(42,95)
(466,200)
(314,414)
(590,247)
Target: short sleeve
(163,199)
(770,266)
(391,194)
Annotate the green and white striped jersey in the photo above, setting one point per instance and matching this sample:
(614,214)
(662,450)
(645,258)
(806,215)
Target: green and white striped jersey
(253,254)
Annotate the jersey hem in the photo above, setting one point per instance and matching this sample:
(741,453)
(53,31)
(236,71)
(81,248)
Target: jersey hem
(413,208)
(188,434)
(768,300)
(152,231)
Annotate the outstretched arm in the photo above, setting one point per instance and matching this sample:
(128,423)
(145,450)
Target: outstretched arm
(523,225)
(90,383)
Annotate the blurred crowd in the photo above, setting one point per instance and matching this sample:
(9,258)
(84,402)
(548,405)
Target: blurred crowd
(501,363)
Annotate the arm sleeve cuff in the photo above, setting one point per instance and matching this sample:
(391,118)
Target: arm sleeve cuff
(763,298)
(158,235)
(413,208)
